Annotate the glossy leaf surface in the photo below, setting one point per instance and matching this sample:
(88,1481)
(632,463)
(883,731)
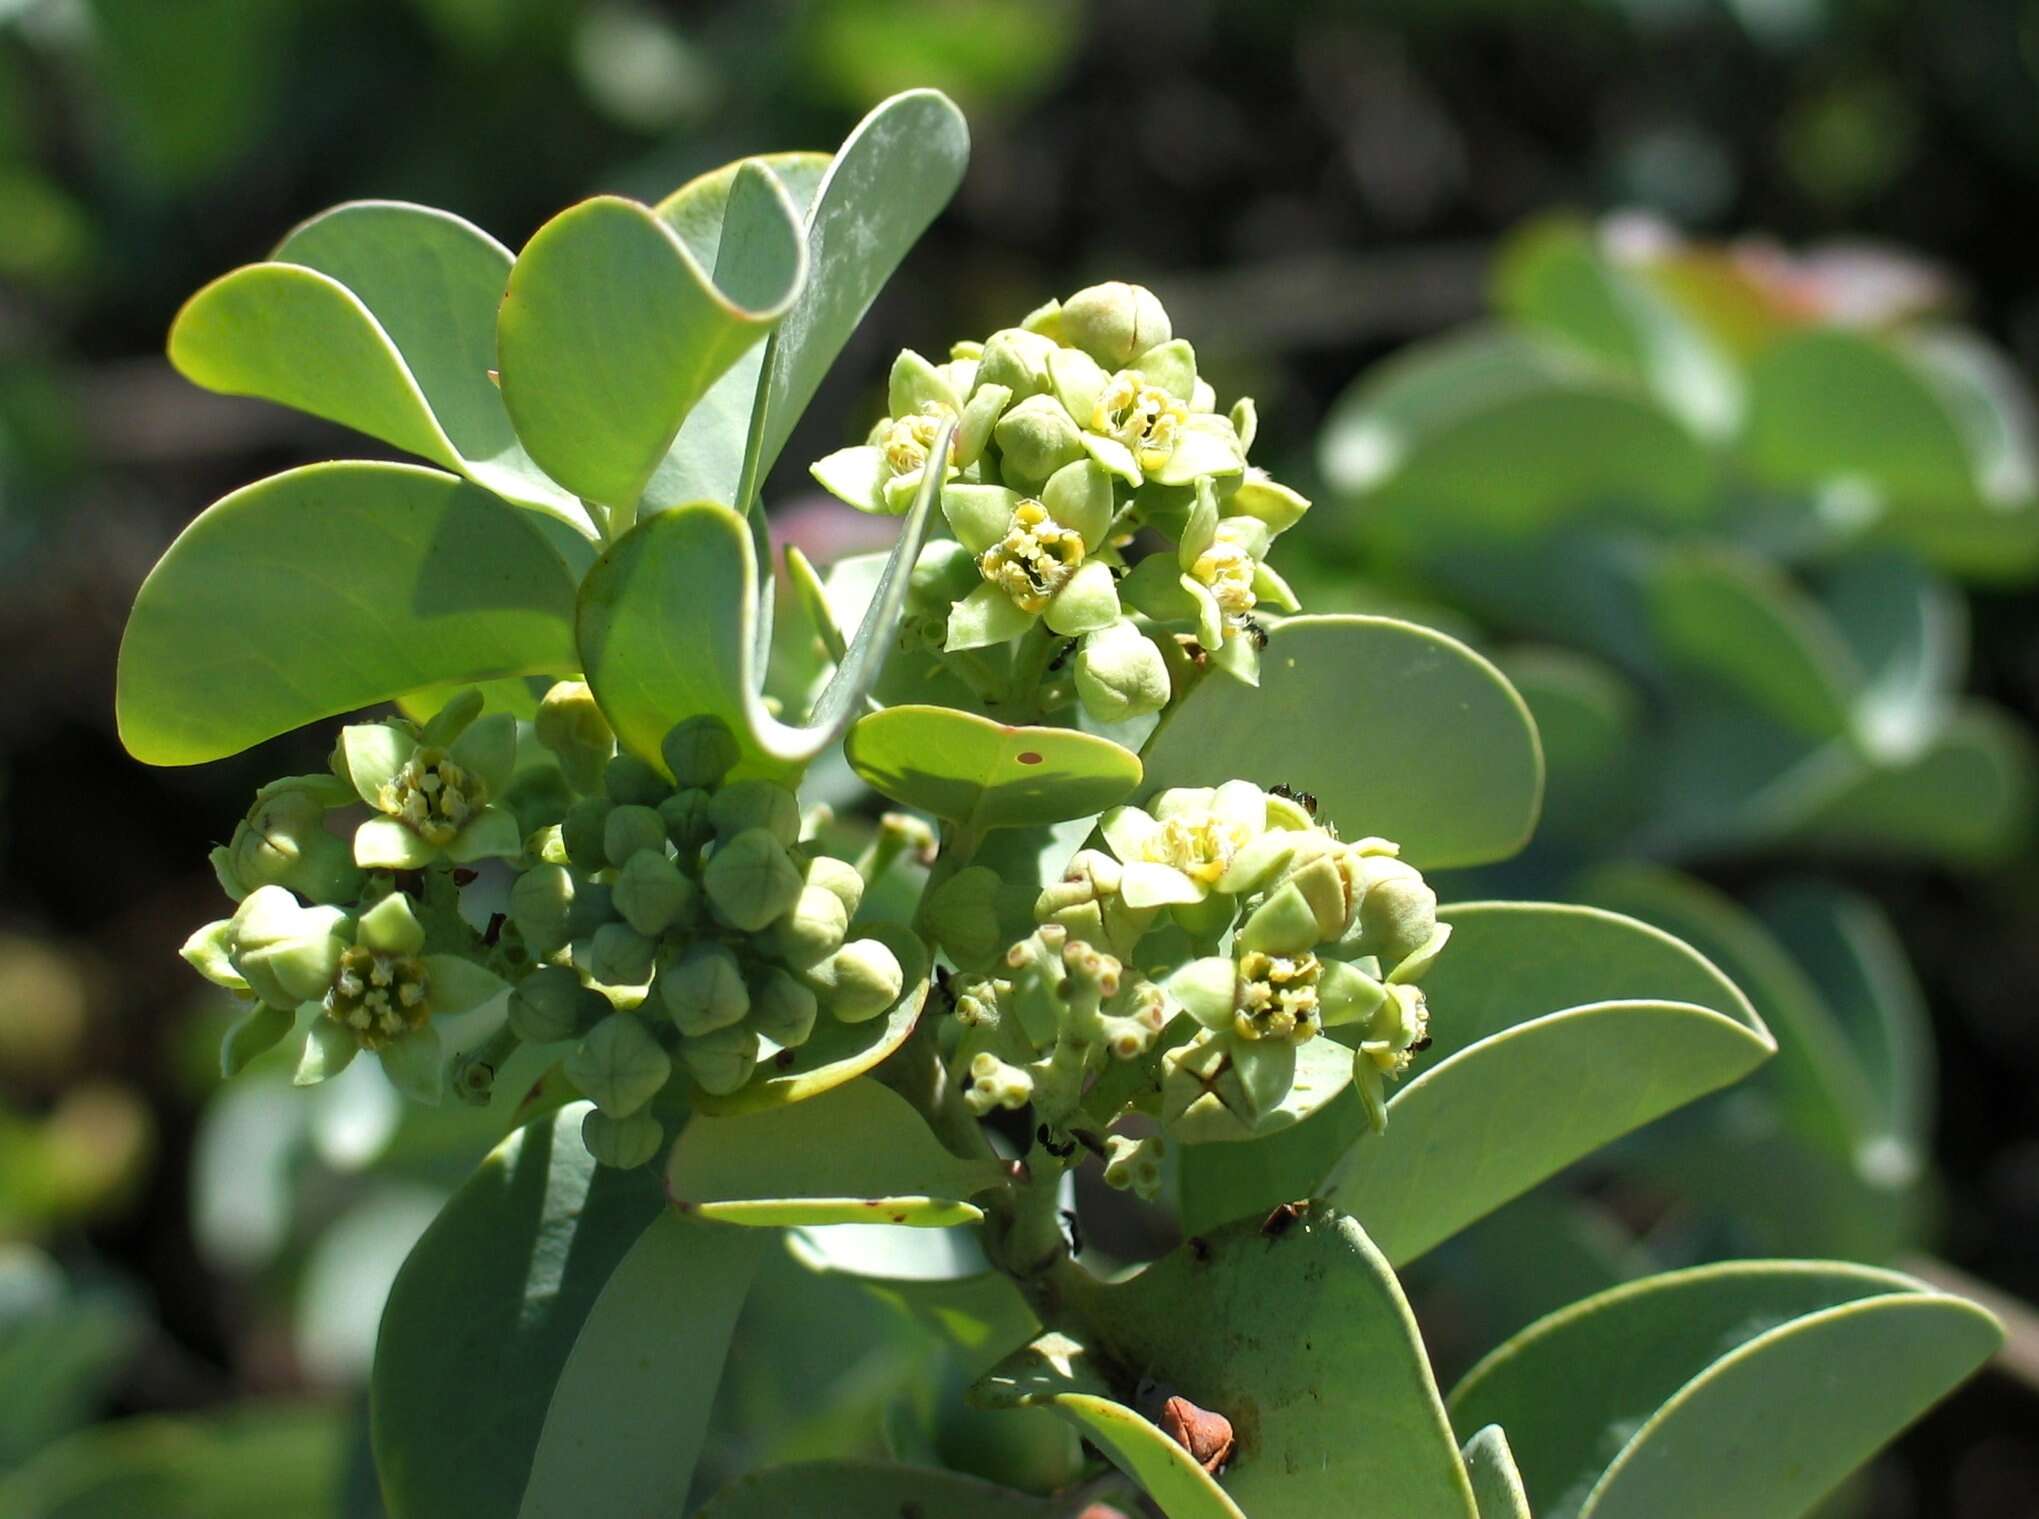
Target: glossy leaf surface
(984,774)
(871,1490)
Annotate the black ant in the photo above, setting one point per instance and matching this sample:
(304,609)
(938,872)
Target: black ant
(1062,657)
(1420,1045)
(1255,631)
(1062,1151)
(1307,800)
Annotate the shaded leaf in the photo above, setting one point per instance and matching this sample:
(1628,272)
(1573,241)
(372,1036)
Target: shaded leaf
(871,1490)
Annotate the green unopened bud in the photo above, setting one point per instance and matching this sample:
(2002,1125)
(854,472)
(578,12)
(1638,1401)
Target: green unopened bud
(1120,674)
(620,1066)
(994,1084)
(652,894)
(687,822)
(750,880)
(811,932)
(1397,917)
(1036,438)
(783,1010)
(630,829)
(541,905)
(744,805)
(283,842)
(1115,322)
(574,729)
(840,877)
(1017,360)
(618,955)
(287,953)
(704,990)
(634,782)
(624,1143)
(860,980)
(550,1004)
(582,831)
(594,904)
(1283,924)
(943,574)
(721,1061)
(700,751)
(963,916)
(1134,1164)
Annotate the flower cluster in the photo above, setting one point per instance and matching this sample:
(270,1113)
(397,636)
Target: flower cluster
(1074,431)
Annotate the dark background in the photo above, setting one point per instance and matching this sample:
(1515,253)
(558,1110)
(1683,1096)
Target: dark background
(1309,187)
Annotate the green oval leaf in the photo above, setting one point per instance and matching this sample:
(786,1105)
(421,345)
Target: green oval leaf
(1398,730)
(611,330)
(333,587)
(1735,1355)
(858,1154)
(871,1490)
(482,1318)
(1497,1485)
(984,774)
(630,1411)
(1907,630)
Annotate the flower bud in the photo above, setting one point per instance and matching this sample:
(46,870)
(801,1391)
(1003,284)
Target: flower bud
(283,842)
(703,990)
(994,1084)
(1036,438)
(652,894)
(1115,322)
(811,932)
(1283,924)
(541,905)
(700,751)
(1120,674)
(963,917)
(629,829)
(1397,916)
(743,805)
(943,574)
(838,876)
(573,728)
(286,953)
(617,955)
(751,881)
(1018,360)
(1134,1164)
(550,1004)
(582,831)
(782,1010)
(619,1065)
(860,980)
(594,904)
(721,1061)
(688,825)
(624,1143)
(633,782)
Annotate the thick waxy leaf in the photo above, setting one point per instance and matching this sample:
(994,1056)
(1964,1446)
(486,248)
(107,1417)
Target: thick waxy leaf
(837,1052)
(1398,730)
(631,1407)
(888,181)
(380,316)
(1734,1358)
(859,1154)
(484,1314)
(1496,1482)
(1908,633)
(1734,618)
(1056,1372)
(705,462)
(1528,1001)
(871,1490)
(1296,1331)
(1476,435)
(669,626)
(333,587)
(984,774)
(611,329)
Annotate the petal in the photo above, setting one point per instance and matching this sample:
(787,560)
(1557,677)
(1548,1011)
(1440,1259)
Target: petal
(328,1050)
(1346,994)
(1417,961)
(855,475)
(916,384)
(1266,1069)
(1269,500)
(386,844)
(206,953)
(1270,588)
(372,754)
(1155,588)
(1210,617)
(1146,884)
(1240,659)
(898,492)
(1253,865)
(985,616)
(1127,830)
(1114,456)
(1208,990)
(1201,530)
(1245,422)
(390,927)
(1184,802)
(457,984)
(978,514)
(1171,366)
(416,1065)
(488,751)
(979,417)
(1205,446)
(492,834)
(1077,380)
(1248,533)
(1079,496)
(1087,601)
(1242,804)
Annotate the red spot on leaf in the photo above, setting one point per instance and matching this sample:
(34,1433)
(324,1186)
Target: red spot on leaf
(1028,757)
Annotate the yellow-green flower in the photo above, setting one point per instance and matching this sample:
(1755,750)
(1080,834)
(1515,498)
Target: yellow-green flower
(1035,556)
(882,474)
(1196,840)
(435,801)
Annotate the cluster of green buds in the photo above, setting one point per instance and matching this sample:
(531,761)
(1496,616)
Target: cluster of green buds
(1074,431)
(679,923)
